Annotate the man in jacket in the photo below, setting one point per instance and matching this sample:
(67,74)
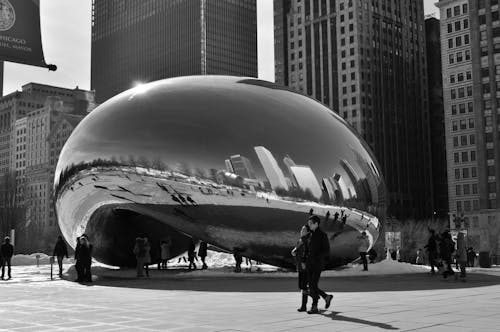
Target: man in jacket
(6,252)
(318,249)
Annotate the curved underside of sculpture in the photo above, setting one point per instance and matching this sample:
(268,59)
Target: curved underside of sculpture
(236,162)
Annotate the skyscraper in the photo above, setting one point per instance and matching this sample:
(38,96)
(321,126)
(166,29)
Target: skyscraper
(367,61)
(273,171)
(470,34)
(242,166)
(146,40)
(306,180)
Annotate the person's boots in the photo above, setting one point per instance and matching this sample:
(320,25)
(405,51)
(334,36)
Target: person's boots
(303,307)
(314,309)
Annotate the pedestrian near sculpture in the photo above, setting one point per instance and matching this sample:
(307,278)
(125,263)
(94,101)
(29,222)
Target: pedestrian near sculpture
(431,247)
(202,252)
(165,252)
(147,255)
(60,251)
(299,252)
(461,255)
(140,255)
(85,257)
(6,253)
(192,254)
(364,244)
(318,250)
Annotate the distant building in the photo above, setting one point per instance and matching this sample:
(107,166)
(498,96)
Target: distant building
(16,105)
(305,178)
(147,40)
(229,166)
(366,60)
(242,166)
(273,172)
(289,163)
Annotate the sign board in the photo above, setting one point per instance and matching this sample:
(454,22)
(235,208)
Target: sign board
(20,36)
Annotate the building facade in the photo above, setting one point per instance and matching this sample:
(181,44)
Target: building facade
(366,60)
(145,40)
(35,124)
(470,34)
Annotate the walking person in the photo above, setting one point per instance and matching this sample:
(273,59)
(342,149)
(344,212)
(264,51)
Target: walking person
(431,247)
(446,249)
(471,256)
(85,256)
(147,255)
(364,244)
(165,252)
(6,253)
(192,255)
(461,254)
(299,252)
(78,262)
(60,250)
(140,254)
(202,252)
(318,249)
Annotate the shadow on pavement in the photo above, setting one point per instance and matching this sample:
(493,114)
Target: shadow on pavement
(334,315)
(175,280)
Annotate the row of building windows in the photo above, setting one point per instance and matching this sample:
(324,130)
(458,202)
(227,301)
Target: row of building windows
(460,92)
(463,140)
(466,189)
(458,57)
(467,207)
(465,173)
(456,10)
(460,77)
(465,156)
(462,124)
(459,25)
(459,41)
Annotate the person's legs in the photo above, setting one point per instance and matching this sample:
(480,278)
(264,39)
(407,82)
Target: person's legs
(304,291)
(2,262)
(363,259)
(88,272)
(146,268)
(462,269)
(432,261)
(313,279)
(140,267)
(60,263)
(8,264)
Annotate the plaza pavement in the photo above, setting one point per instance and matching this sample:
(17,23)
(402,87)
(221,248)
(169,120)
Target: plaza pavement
(177,300)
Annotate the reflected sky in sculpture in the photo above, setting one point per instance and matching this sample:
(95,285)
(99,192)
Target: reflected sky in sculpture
(236,162)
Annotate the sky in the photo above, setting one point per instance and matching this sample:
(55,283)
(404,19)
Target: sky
(66,42)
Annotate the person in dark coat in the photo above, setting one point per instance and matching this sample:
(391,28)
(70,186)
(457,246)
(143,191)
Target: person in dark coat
(6,253)
(446,248)
(431,247)
(238,259)
(471,256)
(299,252)
(202,252)
(78,262)
(85,258)
(318,249)
(192,254)
(60,250)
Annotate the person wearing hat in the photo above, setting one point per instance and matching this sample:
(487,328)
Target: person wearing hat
(6,252)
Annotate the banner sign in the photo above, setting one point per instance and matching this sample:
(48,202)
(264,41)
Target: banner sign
(20,36)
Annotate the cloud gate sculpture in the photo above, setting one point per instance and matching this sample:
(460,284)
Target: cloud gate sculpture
(237,162)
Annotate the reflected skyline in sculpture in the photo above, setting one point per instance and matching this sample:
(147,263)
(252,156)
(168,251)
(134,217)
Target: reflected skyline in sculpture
(237,163)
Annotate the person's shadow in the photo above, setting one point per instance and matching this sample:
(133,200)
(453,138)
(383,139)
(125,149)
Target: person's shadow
(334,315)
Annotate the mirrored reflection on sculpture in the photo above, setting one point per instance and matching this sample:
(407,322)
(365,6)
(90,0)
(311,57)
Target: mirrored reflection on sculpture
(239,163)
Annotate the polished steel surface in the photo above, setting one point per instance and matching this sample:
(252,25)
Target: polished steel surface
(236,162)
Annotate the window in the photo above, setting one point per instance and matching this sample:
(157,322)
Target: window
(455,141)
(470,107)
(469,91)
(456,157)
(462,108)
(482,19)
(463,140)
(474,172)
(453,109)
(459,57)
(454,126)
(467,55)
(450,43)
(459,206)
(464,8)
(472,139)
(458,190)
(471,123)
(450,27)
(466,23)
(448,12)
(465,173)
(460,77)
(490,154)
(491,170)
(457,25)
(466,189)
(461,92)
(474,189)
(451,59)
(463,124)
(465,157)
(458,41)
(457,173)
(456,10)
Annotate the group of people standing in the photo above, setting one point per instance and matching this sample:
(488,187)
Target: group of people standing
(440,249)
(310,253)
